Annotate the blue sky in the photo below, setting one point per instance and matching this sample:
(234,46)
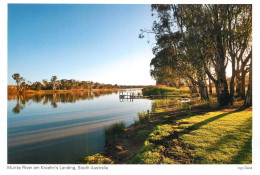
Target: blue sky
(84,42)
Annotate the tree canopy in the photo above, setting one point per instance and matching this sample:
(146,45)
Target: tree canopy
(197,42)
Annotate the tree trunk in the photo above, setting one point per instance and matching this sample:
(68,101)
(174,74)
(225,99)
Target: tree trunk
(53,87)
(193,84)
(222,91)
(232,81)
(203,90)
(243,86)
(248,101)
(222,86)
(210,87)
(192,88)
(18,88)
(243,74)
(238,80)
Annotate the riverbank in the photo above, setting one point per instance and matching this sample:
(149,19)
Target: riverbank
(191,133)
(32,92)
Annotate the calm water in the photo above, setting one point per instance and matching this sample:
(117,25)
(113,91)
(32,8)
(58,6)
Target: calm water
(61,128)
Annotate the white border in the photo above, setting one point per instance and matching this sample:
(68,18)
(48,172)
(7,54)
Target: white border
(133,169)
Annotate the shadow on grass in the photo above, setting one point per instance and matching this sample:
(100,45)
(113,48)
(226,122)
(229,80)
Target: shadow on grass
(176,135)
(175,115)
(242,129)
(205,122)
(244,153)
(173,145)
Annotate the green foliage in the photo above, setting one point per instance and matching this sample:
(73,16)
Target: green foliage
(162,103)
(142,116)
(184,106)
(135,121)
(19,81)
(210,103)
(114,130)
(161,91)
(150,157)
(193,39)
(95,159)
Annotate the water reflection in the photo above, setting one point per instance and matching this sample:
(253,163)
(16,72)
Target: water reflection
(18,107)
(55,98)
(61,128)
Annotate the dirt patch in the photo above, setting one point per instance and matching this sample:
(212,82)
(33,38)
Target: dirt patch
(126,146)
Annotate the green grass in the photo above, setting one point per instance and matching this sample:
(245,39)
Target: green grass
(95,159)
(142,116)
(114,130)
(162,91)
(159,105)
(219,137)
(143,133)
(162,103)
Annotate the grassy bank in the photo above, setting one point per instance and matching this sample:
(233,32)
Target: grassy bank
(220,137)
(188,133)
(162,91)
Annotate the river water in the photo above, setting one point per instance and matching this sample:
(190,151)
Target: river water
(61,128)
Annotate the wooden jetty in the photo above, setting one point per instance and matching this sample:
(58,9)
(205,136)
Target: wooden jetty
(131,95)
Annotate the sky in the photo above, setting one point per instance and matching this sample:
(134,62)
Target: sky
(80,41)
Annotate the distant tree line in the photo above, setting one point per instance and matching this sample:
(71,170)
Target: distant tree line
(54,98)
(63,84)
(195,43)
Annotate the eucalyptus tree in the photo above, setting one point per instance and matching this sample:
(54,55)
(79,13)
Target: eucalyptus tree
(248,100)
(213,34)
(172,39)
(84,84)
(63,84)
(19,81)
(97,85)
(239,44)
(45,84)
(53,82)
(36,85)
(90,85)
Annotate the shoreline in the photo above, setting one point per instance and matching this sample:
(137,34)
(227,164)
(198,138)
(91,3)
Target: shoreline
(137,145)
(42,92)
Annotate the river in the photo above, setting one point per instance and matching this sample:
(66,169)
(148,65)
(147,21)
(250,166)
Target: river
(61,128)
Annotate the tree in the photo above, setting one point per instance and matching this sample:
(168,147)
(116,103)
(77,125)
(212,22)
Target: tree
(97,85)
(203,38)
(18,80)
(248,101)
(239,44)
(45,84)
(38,85)
(53,82)
(175,54)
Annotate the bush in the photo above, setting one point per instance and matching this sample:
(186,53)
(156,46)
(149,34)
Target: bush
(209,103)
(162,103)
(95,159)
(143,118)
(114,130)
(184,106)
